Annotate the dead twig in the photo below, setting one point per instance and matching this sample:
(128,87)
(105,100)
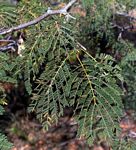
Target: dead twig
(63,10)
(126,15)
(130,19)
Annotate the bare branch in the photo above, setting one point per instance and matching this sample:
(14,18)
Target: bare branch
(126,15)
(37,20)
(127,24)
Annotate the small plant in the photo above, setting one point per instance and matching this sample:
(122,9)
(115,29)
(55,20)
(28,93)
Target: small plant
(69,61)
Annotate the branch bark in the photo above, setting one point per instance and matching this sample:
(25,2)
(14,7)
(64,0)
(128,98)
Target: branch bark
(63,10)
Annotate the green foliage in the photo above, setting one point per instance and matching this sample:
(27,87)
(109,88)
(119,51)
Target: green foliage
(88,84)
(8,15)
(59,72)
(129,72)
(7,67)
(4,144)
(1,110)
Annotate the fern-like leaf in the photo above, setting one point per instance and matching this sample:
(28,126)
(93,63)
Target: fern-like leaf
(4,144)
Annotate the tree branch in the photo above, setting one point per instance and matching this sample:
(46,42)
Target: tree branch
(42,17)
(126,15)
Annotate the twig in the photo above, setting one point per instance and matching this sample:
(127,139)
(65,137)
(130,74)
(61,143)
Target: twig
(122,28)
(37,20)
(126,15)
(125,28)
(10,45)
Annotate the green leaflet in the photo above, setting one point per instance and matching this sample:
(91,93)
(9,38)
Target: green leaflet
(4,144)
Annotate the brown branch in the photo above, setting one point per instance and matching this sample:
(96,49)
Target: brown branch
(37,20)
